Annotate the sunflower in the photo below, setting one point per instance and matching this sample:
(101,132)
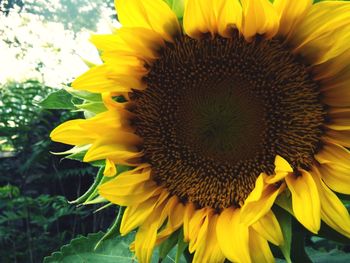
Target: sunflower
(229,107)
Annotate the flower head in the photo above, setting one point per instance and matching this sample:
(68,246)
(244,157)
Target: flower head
(228,108)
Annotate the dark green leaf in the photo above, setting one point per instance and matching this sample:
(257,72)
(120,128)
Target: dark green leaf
(334,256)
(331,234)
(81,250)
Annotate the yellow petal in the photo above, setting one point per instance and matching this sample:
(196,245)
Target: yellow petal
(290,13)
(128,194)
(282,169)
(137,42)
(336,92)
(202,16)
(339,137)
(119,75)
(155,15)
(175,214)
(86,131)
(96,80)
(327,73)
(259,247)
(72,133)
(189,211)
(208,251)
(145,238)
(199,244)
(259,17)
(233,237)
(336,177)
(197,228)
(324,32)
(135,215)
(138,175)
(110,168)
(305,200)
(333,211)
(269,228)
(118,153)
(228,14)
(259,201)
(333,153)
(339,118)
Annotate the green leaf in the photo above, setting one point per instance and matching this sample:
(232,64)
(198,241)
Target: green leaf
(81,250)
(60,100)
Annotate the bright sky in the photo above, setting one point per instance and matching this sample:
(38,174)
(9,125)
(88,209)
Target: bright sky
(48,43)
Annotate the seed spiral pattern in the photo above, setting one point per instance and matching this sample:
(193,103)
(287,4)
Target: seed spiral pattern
(217,111)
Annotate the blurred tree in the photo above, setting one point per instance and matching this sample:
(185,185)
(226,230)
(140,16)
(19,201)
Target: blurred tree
(7,5)
(35,217)
(75,15)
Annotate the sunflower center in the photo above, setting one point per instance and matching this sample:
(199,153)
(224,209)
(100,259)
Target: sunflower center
(220,118)
(216,112)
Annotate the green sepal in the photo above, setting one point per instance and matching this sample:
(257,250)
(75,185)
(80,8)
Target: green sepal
(113,231)
(76,153)
(84,95)
(58,100)
(98,163)
(91,189)
(177,6)
(79,156)
(285,221)
(284,201)
(103,207)
(94,194)
(97,200)
(93,107)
